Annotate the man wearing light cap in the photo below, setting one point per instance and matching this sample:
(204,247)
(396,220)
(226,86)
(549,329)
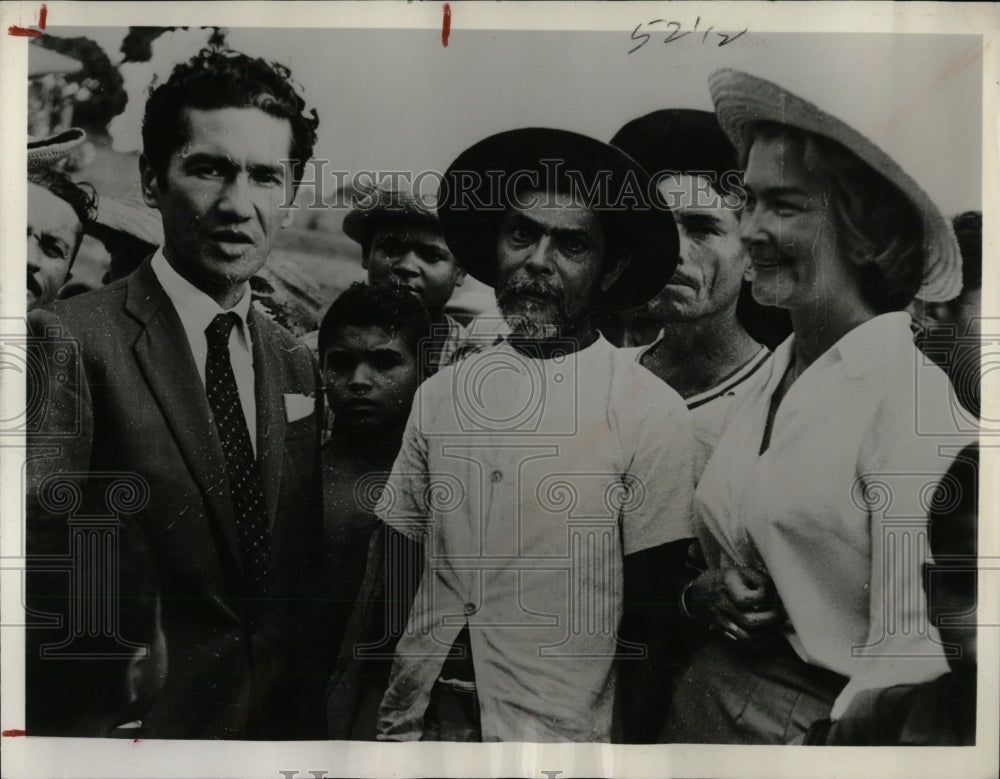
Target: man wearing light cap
(59,210)
(401,244)
(549,476)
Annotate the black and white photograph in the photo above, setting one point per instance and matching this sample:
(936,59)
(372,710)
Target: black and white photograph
(595,389)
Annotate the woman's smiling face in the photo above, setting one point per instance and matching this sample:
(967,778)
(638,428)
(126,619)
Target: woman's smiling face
(789,227)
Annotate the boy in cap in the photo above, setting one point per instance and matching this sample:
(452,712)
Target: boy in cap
(548,477)
(401,244)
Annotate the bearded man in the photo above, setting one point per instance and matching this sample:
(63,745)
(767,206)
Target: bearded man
(547,478)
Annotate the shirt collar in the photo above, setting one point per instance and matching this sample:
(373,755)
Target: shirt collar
(867,344)
(194,307)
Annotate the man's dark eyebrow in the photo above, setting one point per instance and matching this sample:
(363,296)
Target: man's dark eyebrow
(49,239)
(559,232)
(384,350)
(694,213)
(264,167)
(204,156)
(778,192)
(227,162)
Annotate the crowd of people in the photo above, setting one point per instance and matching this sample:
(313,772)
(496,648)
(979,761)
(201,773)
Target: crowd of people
(671,490)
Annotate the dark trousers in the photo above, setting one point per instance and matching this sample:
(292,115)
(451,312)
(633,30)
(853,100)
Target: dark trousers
(731,696)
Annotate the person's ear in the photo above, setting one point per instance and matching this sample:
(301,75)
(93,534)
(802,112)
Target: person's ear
(611,274)
(147,179)
(460,277)
(287,218)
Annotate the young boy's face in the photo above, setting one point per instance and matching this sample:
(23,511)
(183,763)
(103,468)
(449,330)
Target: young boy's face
(370,377)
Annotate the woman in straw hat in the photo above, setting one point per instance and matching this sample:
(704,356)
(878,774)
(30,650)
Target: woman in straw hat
(811,512)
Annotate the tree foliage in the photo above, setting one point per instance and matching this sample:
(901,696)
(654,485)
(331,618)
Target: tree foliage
(138,44)
(100,93)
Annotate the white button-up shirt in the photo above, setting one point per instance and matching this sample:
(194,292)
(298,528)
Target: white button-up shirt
(531,479)
(196,311)
(835,508)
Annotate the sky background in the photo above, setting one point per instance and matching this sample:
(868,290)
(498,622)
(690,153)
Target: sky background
(399,100)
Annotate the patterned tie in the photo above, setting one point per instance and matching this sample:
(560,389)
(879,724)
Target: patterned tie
(241,465)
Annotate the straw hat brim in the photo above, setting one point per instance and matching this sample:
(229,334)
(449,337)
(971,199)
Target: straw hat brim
(46,152)
(742,99)
(644,227)
(142,224)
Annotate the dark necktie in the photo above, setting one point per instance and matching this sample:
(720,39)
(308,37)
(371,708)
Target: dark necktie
(241,464)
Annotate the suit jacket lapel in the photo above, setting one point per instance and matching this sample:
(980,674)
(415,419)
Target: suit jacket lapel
(270,411)
(165,359)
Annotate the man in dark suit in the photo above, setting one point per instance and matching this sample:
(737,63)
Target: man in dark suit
(176,378)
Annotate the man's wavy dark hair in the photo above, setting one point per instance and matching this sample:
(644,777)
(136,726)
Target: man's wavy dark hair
(225,79)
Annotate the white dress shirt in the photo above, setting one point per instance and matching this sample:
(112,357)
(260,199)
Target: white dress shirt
(196,311)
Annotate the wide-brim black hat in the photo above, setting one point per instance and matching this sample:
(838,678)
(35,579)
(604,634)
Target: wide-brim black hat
(477,190)
(680,140)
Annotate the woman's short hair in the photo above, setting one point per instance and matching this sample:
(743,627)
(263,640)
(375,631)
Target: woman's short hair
(880,230)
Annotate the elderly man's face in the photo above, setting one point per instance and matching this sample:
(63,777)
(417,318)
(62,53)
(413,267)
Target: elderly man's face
(220,195)
(54,232)
(552,261)
(713,260)
(414,255)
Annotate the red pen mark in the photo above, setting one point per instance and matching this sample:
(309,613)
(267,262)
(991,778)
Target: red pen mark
(137,741)
(31,32)
(446,25)
(14,733)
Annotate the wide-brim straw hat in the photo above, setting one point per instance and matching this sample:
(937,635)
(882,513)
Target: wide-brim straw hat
(386,205)
(742,99)
(472,205)
(46,152)
(136,221)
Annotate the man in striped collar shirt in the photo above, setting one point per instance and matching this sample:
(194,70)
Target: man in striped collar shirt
(702,351)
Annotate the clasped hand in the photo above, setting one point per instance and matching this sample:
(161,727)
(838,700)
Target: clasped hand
(740,602)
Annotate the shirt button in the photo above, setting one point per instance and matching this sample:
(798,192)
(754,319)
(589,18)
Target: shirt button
(497,477)
(470,608)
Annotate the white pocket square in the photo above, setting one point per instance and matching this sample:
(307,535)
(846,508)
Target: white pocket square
(298,406)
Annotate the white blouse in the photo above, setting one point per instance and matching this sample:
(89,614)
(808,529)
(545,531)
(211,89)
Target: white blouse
(835,509)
